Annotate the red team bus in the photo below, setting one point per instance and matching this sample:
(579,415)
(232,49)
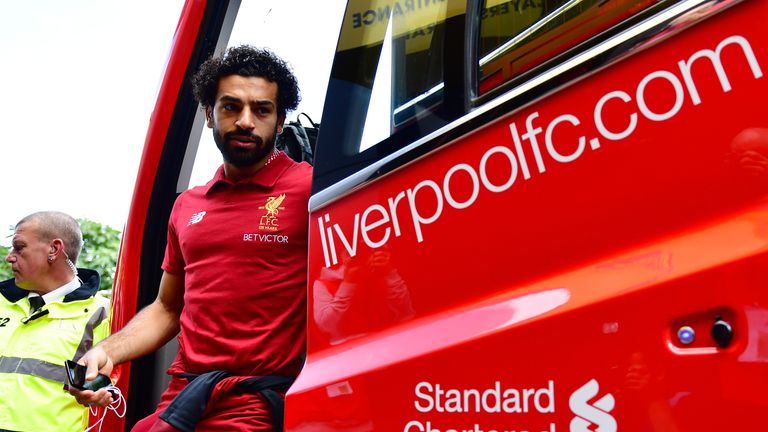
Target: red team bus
(556,209)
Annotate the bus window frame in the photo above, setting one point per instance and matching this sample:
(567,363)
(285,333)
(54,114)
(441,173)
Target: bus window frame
(345,159)
(588,44)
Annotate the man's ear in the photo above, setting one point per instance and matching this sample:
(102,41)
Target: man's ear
(280,122)
(57,245)
(209,116)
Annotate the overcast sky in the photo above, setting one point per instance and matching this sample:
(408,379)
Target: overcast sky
(79,80)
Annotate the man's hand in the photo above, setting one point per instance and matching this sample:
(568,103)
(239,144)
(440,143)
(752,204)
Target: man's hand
(96,361)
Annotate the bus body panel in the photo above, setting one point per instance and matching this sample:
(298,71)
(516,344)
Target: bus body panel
(541,272)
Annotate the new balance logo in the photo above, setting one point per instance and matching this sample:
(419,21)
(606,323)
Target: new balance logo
(197,217)
(591,414)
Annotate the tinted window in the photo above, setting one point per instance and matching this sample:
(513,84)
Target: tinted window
(518,35)
(390,60)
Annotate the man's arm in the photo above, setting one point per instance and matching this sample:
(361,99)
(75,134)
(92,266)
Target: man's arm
(150,329)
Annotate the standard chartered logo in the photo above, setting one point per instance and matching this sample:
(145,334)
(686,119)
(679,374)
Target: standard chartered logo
(591,414)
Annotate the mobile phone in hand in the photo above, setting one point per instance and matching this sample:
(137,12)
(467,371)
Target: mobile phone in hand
(76,377)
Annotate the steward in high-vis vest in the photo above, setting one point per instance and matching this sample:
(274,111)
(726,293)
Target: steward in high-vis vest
(50,312)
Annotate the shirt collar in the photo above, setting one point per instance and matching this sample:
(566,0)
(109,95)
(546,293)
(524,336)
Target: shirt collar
(266,177)
(59,292)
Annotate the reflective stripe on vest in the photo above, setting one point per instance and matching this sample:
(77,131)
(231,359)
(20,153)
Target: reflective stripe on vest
(34,367)
(47,370)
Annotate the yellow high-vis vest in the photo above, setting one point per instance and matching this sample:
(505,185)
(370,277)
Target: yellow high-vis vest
(33,348)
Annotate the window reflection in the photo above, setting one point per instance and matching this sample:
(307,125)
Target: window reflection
(516,36)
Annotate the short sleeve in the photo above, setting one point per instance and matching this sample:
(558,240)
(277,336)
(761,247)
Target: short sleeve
(174,260)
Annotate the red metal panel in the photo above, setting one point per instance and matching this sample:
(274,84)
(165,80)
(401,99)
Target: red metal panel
(533,275)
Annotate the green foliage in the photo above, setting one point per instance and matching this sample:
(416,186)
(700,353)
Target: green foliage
(100,250)
(5,268)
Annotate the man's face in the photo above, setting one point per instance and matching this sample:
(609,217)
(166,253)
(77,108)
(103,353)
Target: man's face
(245,119)
(28,256)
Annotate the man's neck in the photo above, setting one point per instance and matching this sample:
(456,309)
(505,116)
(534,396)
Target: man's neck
(61,291)
(52,284)
(235,173)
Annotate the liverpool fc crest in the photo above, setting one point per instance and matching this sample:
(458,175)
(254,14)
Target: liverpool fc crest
(269,220)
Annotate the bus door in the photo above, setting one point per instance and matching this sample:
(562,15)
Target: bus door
(179,153)
(540,215)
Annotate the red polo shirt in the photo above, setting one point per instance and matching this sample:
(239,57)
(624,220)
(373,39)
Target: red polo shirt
(242,248)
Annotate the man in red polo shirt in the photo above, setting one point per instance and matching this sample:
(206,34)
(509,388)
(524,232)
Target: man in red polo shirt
(234,281)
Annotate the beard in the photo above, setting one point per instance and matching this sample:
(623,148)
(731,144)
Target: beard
(244,157)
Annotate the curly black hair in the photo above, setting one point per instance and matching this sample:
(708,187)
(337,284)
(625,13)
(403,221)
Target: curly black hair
(246,60)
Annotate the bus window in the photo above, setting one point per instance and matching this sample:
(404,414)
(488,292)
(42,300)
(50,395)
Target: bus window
(518,35)
(403,46)
(387,84)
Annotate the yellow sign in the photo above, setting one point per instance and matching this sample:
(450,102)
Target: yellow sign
(366,21)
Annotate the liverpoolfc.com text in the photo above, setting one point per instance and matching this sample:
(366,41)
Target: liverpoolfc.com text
(378,223)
